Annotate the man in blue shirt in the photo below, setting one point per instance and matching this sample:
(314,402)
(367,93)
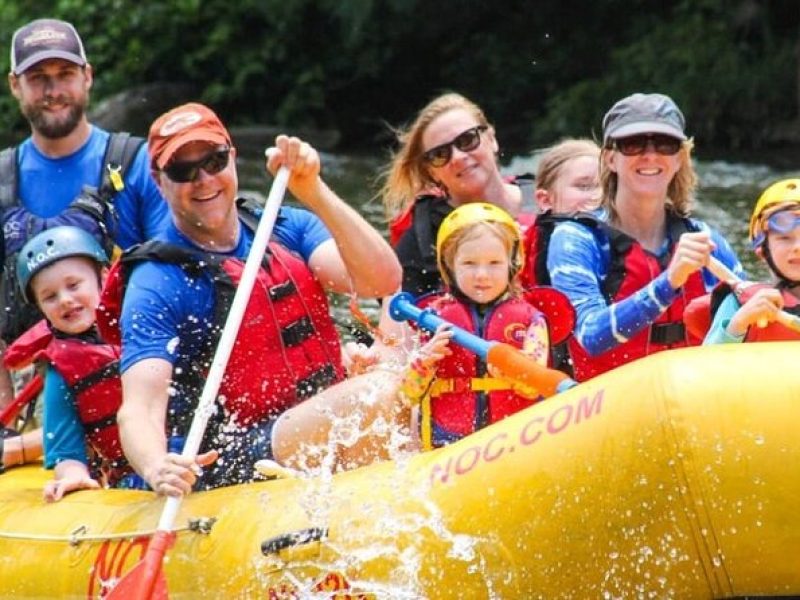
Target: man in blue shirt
(51,79)
(287,347)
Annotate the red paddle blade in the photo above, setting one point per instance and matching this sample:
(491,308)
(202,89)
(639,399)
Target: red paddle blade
(26,394)
(146,581)
(514,365)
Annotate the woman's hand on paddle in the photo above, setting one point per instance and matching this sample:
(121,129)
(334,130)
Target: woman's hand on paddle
(55,489)
(690,255)
(303,161)
(759,310)
(175,474)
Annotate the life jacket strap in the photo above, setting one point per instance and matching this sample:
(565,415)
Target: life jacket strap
(295,333)
(317,381)
(667,333)
(461,385)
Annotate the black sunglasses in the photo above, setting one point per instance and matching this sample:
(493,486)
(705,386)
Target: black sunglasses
(637,144)
(184,172)
(467,141)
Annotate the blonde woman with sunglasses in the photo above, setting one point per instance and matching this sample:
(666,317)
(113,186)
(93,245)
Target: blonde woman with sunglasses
(447,157)
(630,278)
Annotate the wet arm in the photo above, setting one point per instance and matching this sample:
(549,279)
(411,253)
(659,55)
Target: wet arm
(141,418)
(358,259)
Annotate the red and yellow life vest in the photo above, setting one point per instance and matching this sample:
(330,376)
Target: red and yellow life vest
(463,396)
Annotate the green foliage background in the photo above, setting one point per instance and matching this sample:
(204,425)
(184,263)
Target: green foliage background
(541,69)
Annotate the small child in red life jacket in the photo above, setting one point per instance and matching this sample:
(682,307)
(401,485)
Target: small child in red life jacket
(479,255)
(752,311)
(61,270)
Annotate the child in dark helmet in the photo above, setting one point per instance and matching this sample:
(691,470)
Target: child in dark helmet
(752,312)
(61,270)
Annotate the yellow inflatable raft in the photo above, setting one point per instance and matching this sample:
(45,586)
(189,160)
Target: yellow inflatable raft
(676,476)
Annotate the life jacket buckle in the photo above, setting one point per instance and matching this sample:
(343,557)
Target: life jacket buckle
(115,176)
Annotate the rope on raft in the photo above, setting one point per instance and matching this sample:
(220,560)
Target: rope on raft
(200,525)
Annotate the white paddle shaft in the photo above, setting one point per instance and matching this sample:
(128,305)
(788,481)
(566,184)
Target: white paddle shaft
(217,370)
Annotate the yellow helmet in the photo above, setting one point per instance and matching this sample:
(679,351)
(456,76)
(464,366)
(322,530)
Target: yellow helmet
(477,212)
(784,193)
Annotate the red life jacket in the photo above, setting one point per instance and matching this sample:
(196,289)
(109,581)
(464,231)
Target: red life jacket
(632,268)
(90,369)
(403,222)
(700,312)
(535,241)
(464,397)
(287,348)
(774,331)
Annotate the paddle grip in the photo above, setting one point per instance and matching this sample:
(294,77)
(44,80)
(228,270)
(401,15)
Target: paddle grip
(402,308)
(516,366)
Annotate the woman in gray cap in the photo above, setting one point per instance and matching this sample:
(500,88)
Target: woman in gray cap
(630,278)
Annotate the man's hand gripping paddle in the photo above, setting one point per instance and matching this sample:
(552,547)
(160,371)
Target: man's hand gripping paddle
(146,579)
(508,360)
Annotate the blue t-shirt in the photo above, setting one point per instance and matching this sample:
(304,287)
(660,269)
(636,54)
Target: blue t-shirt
(578,260)
(63,434)
(47,186)
(168,315)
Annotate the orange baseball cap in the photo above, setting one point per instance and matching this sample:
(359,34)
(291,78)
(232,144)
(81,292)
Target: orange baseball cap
(174,129)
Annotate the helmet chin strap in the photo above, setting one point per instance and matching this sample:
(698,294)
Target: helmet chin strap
(785,282)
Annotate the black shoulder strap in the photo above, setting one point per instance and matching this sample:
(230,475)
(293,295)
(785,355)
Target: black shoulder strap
(8,177)
(619,245)
(8,193)
(121,149)
(545,224)
(250,211)
(192,261)
(423,228)
(718,295)
(677,226)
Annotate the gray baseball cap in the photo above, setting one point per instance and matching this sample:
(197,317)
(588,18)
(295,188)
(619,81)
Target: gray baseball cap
(643,113)
(42,39)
